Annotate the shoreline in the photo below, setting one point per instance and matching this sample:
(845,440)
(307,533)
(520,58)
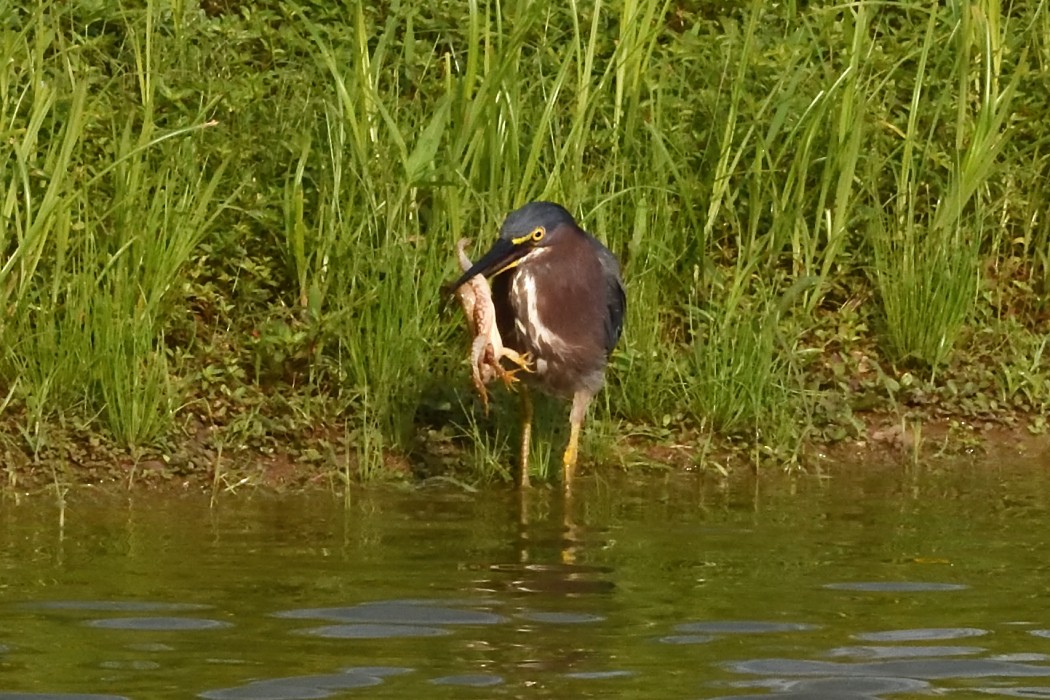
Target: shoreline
(183,469)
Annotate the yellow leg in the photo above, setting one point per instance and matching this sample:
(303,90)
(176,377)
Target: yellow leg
(526,436)
(569,458)
(580,401)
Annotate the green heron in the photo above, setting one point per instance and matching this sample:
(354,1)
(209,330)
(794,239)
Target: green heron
(560,302)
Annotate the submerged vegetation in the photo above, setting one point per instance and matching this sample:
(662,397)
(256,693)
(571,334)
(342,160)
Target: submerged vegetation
(225,224)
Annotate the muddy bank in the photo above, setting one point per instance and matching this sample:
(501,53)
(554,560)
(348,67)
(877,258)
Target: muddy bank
(326,461)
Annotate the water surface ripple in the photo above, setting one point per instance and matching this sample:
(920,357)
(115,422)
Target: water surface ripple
(873,583)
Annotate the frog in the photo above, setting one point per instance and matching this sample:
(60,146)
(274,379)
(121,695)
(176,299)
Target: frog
(487,348)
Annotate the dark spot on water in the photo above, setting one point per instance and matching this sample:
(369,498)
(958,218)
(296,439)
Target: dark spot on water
(833,687)
(445,602)
(598,675)
(561,618)
(922,634)
(472,680)
(568,568)
(903,652)
(398,612)
(374,631)
(163,624)
(151,647)
(1016,692)
(58,696)
(295,688)
(114,606)
(378,671)
(137,665)
(907,668)
(1022,657)
(552,567)
(838,688)
(895,586)
(687,639)
(743,627)
(554,578)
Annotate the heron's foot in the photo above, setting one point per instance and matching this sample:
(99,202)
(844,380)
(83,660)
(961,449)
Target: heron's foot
(509,375)
(522,360)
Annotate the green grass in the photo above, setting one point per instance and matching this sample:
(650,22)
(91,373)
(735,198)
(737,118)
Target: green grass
(241,222)
(928,248)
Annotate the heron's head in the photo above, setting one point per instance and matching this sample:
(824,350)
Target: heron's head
(526,232)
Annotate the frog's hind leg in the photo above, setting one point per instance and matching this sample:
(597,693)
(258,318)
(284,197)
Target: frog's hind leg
(478,361)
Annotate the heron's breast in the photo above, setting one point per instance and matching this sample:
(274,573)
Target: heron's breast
(557,319)
(540,333)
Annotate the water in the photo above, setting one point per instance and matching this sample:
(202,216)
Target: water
(874,583)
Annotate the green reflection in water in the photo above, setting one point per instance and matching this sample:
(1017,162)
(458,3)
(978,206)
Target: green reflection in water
(668,587)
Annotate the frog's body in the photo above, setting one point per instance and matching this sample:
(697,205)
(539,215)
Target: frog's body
(487,348)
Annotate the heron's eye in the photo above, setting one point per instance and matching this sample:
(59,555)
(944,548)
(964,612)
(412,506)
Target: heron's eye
(537,234)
